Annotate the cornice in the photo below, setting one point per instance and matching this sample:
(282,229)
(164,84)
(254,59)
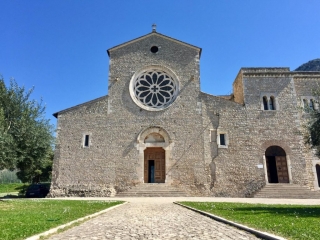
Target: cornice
(295,75)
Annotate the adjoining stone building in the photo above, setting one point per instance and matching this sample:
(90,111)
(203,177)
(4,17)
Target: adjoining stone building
(156,126)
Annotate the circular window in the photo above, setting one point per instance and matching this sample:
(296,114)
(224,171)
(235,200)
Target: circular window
(153,89)
(154,49)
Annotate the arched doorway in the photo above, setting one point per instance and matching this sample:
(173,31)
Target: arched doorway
(154,143)
(277,168)
(154,160)
(318,174)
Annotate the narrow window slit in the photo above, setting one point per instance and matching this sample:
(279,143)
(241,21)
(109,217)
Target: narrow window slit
(86,141)
(222,140)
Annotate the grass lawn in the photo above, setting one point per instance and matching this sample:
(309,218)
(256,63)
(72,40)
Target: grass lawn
(11,187)
(23,218)
(289,221)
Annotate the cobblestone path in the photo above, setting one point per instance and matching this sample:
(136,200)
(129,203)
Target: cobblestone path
(152,221)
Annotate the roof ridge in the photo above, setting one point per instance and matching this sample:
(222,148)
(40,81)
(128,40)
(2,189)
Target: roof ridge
(150,34)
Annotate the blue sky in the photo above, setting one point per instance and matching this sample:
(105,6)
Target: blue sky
(60,46)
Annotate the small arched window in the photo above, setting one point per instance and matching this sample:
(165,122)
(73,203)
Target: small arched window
(271,103)
(305,103)
(265,103)
(311,104)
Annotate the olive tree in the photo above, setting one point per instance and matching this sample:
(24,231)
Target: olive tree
(25,135)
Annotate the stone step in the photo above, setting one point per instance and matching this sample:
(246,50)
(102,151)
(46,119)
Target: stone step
(144,186)
(286,191)
(286,194)
(281,186)
(290,190)
(288,197)
(153,190)
(279,193)
(150,195)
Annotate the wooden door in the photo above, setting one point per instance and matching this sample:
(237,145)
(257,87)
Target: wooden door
(158,155)
(282,169)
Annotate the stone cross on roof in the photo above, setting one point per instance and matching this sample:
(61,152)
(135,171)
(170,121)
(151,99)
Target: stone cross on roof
(154,27)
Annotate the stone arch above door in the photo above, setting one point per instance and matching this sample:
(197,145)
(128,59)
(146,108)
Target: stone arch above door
(160,136)
(278,143)
(275,151)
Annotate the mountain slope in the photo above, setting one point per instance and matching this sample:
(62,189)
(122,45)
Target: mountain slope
(313,65)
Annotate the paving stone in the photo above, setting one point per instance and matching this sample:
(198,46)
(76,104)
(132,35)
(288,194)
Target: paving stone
(152,221)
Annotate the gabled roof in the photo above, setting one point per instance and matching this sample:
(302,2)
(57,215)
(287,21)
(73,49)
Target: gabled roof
(152,34)
(79,105)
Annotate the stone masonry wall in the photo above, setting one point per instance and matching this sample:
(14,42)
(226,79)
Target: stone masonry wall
(238,89)
(276,127)
(234,172)
(250,131)
(112,160)
(182,120)
(305,86)
(195,162)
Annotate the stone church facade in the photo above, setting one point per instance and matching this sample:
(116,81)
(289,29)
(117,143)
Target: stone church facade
(156,126)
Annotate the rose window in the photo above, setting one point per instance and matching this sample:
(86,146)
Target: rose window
(154,89)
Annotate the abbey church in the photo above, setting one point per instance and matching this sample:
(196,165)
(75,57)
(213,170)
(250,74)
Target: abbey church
(156,126)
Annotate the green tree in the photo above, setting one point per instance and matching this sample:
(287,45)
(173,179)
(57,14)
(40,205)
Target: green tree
(25,135)
(312,136)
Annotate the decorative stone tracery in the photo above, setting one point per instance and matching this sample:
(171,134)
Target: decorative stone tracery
(154,88)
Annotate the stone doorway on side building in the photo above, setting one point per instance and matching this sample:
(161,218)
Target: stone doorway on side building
(318,174)
(277,167)
(154,165)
